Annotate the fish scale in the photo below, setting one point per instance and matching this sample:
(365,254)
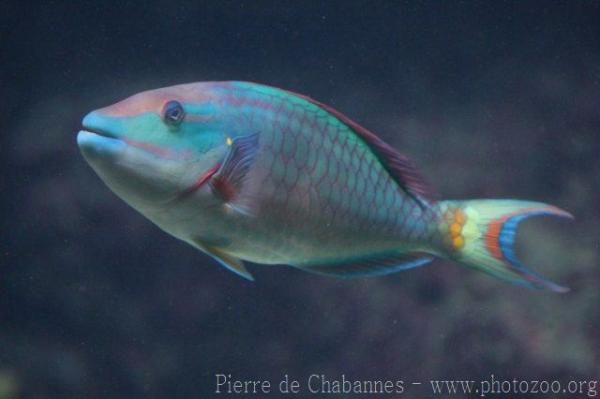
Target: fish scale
(247,172)
(325,195)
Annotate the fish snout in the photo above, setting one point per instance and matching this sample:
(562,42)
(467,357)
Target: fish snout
(98,138)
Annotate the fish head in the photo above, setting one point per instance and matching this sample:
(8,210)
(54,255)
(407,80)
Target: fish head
(158,145)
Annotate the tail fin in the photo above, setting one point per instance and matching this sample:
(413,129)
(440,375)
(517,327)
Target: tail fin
(481,233)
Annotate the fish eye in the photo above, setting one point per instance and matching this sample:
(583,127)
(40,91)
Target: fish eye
(173,113)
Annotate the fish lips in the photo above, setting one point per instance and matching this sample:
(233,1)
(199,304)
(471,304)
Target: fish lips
(99,145)
(96,142)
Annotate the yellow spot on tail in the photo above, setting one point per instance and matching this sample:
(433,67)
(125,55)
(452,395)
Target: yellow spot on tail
(229,141)
(458,242)
(455,229)
(456,219)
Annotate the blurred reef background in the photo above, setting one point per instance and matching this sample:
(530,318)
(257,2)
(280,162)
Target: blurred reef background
(496,100)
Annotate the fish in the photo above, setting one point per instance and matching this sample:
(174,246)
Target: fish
(247,172)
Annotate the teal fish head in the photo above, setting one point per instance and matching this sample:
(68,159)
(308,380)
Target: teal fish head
(158,145)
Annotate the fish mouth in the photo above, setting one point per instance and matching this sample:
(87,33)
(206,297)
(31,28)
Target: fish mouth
(95,133)
(98,132)
(93,140)
(96,144)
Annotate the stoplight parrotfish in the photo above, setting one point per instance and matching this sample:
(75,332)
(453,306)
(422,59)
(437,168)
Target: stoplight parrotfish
(247,172)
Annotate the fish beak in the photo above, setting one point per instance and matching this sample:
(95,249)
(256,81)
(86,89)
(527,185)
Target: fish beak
(95,146)
(96,141)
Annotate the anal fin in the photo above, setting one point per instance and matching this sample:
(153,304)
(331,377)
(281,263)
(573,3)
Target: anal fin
(370,266)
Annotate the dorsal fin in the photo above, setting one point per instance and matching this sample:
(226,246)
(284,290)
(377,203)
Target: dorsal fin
(400,168)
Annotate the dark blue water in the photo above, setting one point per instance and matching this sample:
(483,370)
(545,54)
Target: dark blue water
(491,101)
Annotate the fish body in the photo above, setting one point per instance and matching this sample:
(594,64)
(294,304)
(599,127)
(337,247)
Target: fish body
(244,171)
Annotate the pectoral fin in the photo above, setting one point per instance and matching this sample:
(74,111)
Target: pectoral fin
(229,262)
(229,181)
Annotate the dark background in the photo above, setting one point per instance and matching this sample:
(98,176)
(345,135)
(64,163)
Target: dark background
(499,100)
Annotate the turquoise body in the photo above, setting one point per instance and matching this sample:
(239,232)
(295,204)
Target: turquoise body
(318,191)
(244,171)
